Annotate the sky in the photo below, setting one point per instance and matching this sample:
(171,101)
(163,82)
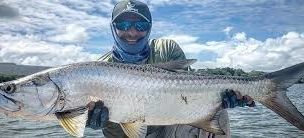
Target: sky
(264,35)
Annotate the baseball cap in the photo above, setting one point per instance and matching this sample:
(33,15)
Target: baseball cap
(131,6)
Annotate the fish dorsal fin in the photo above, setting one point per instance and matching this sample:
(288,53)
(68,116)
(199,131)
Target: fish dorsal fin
(215,124)
(176,64)
(134,130)
(73,122)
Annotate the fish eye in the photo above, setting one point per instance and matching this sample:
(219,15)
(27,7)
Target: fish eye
(10,88)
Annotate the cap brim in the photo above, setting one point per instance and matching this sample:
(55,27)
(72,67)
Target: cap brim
(121,13)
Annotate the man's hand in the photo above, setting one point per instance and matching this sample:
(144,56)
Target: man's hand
(98,115)
(231,99)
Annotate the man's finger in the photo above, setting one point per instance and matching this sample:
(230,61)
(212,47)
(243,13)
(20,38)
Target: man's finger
(248,99)
(238,95)
(91,105)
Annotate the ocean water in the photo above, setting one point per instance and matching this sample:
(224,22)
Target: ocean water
(244,121)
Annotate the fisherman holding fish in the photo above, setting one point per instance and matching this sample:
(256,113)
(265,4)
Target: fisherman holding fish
(137,100)
(131,26)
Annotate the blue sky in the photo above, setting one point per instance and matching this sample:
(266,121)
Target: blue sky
(250,34)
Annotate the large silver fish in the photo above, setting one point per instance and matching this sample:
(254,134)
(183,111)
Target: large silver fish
(141,95)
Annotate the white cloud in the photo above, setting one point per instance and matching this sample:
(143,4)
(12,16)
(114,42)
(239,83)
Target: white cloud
(158,2)
(182,39)
(291,35)
(247,53)
(32,51)
(36,37)
(45,18)
(72,33)
(227,30)
(240,36)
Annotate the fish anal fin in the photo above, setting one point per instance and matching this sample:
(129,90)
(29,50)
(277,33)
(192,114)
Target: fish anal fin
(176,64)
(73,122)
(134,130)
(214,124)
(280,103)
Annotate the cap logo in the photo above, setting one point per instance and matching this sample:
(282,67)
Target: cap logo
(130,7)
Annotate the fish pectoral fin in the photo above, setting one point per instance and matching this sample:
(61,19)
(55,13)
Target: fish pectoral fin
(134,130)
(175,65)
(73,122)
(215,124)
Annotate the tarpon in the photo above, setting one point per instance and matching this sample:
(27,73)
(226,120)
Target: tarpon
(141,95)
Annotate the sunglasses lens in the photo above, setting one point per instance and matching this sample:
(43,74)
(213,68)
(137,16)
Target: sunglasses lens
(142,26)
(124,26)
(139,26)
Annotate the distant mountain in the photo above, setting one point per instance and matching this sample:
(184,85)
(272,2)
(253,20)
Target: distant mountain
(20,70)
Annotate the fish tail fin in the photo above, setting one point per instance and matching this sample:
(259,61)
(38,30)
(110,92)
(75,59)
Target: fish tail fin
(278,100)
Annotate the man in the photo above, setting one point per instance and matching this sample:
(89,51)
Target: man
(131,26)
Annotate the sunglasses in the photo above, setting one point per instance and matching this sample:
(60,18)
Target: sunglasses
(138,25)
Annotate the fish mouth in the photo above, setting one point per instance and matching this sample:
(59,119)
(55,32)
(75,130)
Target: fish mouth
(9,104)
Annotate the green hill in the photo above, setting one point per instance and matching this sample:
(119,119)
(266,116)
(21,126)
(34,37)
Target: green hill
(7,77)
(229,71)
(233,72)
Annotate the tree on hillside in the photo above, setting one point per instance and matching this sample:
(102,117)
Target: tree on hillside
(6,77)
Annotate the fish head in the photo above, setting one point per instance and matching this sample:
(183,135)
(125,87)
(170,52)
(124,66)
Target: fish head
(33,95)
